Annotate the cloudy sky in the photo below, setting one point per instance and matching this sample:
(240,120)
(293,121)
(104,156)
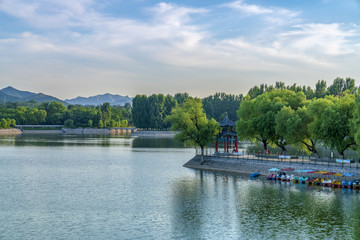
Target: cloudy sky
(70,48)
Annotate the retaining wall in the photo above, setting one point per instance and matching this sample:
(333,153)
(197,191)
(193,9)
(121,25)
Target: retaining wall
(169,134)
(242,165)
(80,131)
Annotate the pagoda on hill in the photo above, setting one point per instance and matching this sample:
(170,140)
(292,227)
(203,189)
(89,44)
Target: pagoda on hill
(228,135)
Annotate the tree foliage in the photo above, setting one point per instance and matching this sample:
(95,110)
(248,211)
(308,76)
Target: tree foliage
(257,117)
(191,125)
(56,113)
(215,106)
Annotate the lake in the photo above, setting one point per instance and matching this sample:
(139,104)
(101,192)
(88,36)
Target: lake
(103,187)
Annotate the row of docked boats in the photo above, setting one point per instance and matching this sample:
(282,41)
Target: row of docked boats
(284,176)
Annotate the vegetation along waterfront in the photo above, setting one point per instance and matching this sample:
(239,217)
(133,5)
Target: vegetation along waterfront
(273,115)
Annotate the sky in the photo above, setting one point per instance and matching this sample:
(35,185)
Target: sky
(70,48)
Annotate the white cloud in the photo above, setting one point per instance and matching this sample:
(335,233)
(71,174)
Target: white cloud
(252,9)
(329,39)
(248,8)
(169,42)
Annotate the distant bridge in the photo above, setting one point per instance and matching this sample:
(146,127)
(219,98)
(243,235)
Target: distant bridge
(122,130)
(39,126)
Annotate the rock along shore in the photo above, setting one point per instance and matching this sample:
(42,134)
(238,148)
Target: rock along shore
(164,134)
(243,165)
(10,131)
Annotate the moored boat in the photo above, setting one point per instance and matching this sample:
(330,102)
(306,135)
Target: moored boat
(254,174)
(318,181)
(336,184)
(310,181)
(327,183)
(356,184)
(346,184)
(295,180)
(303,179)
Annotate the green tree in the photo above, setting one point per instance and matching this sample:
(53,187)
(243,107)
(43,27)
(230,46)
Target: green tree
(140,111)
(193,126)
(169,104)
(181,97)
(356,122)
(336,124)
(105,113)
(101,124)
(155,105)
(320,89)
(21,115)
(340,85)
(293,126)
(12,123)
(257,116)
(90,123)
(217,105)
(55,111)
(333,121)
(69,123)
(3,123)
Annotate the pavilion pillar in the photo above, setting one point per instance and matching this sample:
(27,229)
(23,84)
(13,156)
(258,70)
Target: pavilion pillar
(236,145)
(216,146)
(224,146)
(227,147)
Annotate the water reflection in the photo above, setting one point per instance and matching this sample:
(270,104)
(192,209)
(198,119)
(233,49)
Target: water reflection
(138,189)
(148,142)
(187,207)
(246,209)
(60,140)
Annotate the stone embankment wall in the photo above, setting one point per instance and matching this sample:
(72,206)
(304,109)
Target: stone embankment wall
(153,134)
(242,165)
(86,131)
(42,131)
(10,131)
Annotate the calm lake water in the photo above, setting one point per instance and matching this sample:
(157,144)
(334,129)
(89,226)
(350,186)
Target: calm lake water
(76,187)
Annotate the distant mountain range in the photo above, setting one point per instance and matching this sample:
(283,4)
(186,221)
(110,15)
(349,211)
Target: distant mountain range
(100,99)
(10,94)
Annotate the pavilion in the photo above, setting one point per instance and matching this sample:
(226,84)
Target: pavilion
(228,135)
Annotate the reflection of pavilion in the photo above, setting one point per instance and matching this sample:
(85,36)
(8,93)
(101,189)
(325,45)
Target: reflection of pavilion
(228,135)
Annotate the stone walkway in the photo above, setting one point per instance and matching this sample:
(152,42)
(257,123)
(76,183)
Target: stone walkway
(245,165)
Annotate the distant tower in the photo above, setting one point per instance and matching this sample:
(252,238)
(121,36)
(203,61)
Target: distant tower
(228,135)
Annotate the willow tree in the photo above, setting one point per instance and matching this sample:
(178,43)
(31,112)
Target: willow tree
(191,126)
(293,125)
(257,117)
(356,122)
(333,119)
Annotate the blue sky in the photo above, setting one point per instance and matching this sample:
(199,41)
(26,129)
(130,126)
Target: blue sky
(68,48)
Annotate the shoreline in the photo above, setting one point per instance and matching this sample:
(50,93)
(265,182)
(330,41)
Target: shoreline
(248,166)
(10,131)
(163,134)
(91,131)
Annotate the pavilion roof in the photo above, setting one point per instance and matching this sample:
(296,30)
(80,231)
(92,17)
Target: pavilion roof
(227,122)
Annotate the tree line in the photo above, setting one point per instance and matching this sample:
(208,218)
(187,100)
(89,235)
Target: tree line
(321,90)
(152,111)
(282,116)
(56,113)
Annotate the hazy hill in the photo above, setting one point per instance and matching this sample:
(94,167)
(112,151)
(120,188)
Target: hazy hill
(16,93)
(40,98)
(8,98)
(10,94)
(100,99)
